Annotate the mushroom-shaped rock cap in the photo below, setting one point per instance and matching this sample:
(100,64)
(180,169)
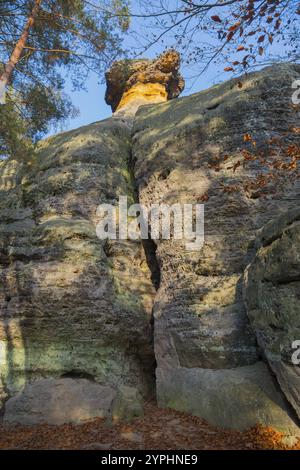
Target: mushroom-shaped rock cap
(131,83)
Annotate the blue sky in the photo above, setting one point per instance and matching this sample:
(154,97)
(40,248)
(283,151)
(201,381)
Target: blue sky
(91,103)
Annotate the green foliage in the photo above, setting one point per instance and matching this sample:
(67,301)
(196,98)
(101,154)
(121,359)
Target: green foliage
(12,132)
(69,39)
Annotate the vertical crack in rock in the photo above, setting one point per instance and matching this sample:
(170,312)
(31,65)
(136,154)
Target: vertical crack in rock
(149,245)
(130,85)
(150,252)
(149,248)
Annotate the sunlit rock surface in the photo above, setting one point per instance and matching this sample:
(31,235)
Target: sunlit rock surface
(188,150)
(132,83)
(71,304)
(75,308)
(272,294)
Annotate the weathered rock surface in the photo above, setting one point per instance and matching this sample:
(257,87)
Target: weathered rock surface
(272,295)
(233,398)
(132,83)
(188,151)
(59,401)
(73,307)
(127,405)
(71,304)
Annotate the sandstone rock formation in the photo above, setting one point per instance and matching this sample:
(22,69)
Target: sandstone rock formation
(127,405)
(132,83)
(74,307)
(236,398)
(59,401)
(189,150)
(272,294)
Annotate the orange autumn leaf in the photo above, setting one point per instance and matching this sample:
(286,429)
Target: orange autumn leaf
(247,138)
(234,26)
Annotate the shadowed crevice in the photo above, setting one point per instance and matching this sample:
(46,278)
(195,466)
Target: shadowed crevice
(150,253)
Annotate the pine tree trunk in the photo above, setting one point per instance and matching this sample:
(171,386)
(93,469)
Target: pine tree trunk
(17,52)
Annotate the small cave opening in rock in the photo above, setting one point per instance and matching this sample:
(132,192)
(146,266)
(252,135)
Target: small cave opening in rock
(78,374)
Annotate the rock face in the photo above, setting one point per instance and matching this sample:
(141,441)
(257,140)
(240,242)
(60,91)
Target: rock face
(237,398)
(59,401)
(189,150)
(72,305)
(79,311)
(127,405)
(132,83)
(272,295)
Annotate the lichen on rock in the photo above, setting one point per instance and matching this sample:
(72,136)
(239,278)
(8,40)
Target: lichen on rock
(79,312)
(272,297)
(201,323)
(70,303)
